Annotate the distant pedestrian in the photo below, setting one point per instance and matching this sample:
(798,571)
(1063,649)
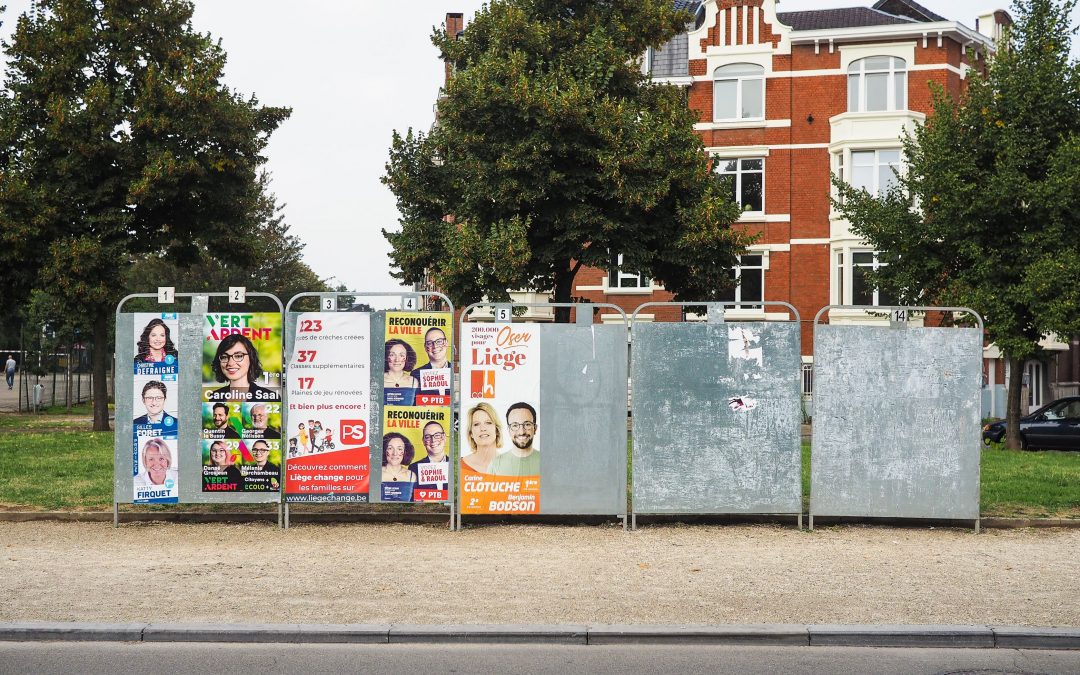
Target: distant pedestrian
(9,371)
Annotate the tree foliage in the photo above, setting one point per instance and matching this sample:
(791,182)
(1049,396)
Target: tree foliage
(552,150)
(119,141)
(987,212)
(278,265)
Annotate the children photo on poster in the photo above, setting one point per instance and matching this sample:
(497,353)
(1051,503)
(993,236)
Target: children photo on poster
(499,441)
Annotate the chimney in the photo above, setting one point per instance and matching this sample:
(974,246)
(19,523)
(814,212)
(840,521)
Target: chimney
(455,23)
(991,22)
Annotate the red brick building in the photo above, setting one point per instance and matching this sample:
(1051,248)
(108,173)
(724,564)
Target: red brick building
(784,101)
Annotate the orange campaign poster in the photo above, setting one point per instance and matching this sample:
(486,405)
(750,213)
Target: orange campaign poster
(500,457)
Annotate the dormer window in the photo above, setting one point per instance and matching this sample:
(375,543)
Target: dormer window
(739,92)
(877,83)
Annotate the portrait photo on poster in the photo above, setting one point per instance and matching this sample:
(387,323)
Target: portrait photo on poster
(155,349)
(156,471)
(242,358)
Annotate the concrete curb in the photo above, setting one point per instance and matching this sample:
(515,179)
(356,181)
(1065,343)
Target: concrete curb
(359,517)
(914,636)
(901,636)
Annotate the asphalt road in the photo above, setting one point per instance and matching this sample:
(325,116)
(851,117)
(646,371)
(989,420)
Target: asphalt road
(173,658)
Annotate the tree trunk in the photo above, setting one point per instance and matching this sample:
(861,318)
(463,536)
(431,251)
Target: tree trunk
(100,392)
(1012,414)
(564,285)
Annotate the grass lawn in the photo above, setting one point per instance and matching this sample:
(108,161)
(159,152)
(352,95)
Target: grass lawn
(73,470)
(56,418)
(1036,484)
(61,470)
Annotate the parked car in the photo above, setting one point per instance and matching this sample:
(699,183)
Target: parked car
(1055,426)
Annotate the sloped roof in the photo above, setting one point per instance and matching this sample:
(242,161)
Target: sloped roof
(883,13)
(907,8)
(846,17)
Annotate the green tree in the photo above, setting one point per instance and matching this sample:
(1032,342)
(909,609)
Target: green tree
(987,212)
(119,141)
(277,266)
(551,151)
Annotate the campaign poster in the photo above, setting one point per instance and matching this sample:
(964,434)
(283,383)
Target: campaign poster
(241,402)
(156,477)
(221,465)
(417,362)
(415,454)
(328,455)
(500,457)
(154,403)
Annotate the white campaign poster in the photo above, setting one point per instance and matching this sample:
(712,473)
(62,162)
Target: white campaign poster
(326,442)
(156,367)
(500,437)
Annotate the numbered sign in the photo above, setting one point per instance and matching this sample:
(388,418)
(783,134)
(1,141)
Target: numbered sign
(503,313)
(237,294)
(900,315)
(410,303)
(166,295)
(329,303)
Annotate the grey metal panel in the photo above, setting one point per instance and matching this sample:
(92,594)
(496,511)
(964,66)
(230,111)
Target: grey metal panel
(582,419)
(123,379)
(896,422)
(693,453)
(375,431)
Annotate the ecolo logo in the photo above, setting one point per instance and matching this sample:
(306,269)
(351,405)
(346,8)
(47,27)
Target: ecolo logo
(353,432)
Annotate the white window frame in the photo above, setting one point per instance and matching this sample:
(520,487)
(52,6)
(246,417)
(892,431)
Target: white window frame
(896,77)
(845,270)
(740,90)
(616,275)
(738,273)
(737,174)
(876,166)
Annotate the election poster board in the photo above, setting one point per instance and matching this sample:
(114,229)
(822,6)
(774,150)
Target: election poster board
(328,451)
(500,457)
(241,402)
(156,369)
(417,393)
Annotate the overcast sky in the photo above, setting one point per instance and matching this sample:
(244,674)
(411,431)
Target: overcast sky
(353,71)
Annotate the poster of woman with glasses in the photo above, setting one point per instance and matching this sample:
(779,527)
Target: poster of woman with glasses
(242,369)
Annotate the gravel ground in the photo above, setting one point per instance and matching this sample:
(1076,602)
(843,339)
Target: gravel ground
(537,574)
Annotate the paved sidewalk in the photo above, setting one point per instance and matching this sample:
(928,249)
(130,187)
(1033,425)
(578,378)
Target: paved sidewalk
(399,574)
(9,398)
